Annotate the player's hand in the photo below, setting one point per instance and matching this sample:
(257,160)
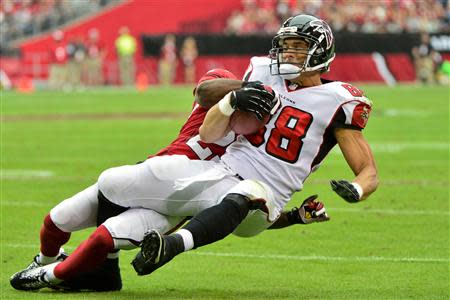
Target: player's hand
(253,84)
(312,211)
(254,100)
(346,190)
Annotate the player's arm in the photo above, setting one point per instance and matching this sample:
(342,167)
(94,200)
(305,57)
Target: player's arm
(249,98)
(216,123)
(209,92)
(310,211)
(359,157)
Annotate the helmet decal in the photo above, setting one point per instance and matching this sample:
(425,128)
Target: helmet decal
(322,27)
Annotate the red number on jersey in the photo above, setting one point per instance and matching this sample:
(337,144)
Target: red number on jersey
(354,91)
(285,140)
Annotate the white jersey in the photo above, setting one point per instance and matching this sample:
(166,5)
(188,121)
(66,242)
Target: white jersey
(299,134)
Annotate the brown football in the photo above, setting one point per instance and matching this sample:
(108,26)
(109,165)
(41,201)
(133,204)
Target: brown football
(244,122)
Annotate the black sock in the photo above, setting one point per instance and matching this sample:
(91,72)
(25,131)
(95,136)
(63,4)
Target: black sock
(217,222)
(174,244)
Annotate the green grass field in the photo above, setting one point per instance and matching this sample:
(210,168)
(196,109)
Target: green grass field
(394,246)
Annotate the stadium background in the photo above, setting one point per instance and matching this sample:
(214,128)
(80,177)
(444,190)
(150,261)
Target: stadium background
(55,141)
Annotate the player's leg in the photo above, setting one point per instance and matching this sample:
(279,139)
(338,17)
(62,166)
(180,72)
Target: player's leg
(170,185)
(75,213)
(208,226)
(124,231)
(88,268)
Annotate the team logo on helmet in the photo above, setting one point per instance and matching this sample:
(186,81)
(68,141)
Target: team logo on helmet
(322,27)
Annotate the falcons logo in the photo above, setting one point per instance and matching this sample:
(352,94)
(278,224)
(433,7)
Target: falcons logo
(365,115)
(322,27)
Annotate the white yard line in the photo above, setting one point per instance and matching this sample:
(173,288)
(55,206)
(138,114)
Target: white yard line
(401,147)
(20,203)
(362,259)
(413,113)
(17,173)
(389,211)
(325,258)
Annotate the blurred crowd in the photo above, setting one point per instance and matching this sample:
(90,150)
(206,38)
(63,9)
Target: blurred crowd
(21,18)
(366,16)
(77,61)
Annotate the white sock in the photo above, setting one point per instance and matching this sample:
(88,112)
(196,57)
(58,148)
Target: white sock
(113,255)
(49,275)
(188,240)
(45,260)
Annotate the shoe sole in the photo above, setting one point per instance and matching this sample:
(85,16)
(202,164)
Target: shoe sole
(152,247)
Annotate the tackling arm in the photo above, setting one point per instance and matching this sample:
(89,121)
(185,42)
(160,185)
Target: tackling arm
(209,92)
(359,157)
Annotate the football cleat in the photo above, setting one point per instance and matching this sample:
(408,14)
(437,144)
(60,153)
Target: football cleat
(30,280)
(156,251)
(153,247)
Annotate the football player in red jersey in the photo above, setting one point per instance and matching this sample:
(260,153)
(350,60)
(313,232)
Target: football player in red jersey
(94,264)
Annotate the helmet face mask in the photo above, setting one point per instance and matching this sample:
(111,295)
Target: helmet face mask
(303,44)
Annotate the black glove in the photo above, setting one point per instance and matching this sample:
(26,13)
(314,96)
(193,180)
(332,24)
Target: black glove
(254,100)
(346,190)
(253,84)
(310,211)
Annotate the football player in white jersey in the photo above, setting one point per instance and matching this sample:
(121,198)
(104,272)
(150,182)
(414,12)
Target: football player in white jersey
(314,116)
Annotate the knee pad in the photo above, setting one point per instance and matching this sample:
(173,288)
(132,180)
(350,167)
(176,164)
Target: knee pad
(255,190)
(107,209)
(255,223)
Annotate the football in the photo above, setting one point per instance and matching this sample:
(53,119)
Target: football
(244,122)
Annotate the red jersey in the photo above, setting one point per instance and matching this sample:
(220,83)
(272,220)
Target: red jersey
(188,141)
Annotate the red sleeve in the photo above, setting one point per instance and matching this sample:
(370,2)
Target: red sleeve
(361,115)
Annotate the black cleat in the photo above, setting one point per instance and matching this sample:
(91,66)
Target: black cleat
(156,251)
(152,247)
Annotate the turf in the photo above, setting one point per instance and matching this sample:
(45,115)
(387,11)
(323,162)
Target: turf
(394,246)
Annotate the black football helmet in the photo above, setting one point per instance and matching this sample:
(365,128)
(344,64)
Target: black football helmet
(320,51)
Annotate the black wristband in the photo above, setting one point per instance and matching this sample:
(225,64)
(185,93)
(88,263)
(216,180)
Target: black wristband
(293,216)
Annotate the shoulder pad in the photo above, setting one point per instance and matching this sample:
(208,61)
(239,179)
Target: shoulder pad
(348,92)
(257,63)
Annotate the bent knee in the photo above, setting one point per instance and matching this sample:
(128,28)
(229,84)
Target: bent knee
(113,181)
